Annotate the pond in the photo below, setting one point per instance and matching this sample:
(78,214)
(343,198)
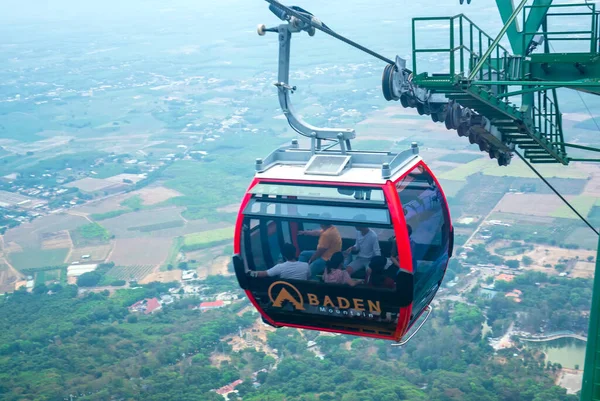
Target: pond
(566,351)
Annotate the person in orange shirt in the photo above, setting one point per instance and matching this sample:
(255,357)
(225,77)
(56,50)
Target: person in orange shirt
(330,242)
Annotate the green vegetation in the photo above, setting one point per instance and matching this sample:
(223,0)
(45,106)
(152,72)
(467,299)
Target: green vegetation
(553,302)
(582,203)
(107,215)
(89,234)
(166,355)
(218,179)
(518,169)
(102,342)
(451,187)
(460,157)
(204,239)
(134,203)
(158,226)
(463,171)
(31,260)
(515,248)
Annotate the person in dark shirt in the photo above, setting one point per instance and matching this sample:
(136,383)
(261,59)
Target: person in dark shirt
(380,277)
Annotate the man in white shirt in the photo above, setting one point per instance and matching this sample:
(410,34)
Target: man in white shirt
(366,247)
(290,269)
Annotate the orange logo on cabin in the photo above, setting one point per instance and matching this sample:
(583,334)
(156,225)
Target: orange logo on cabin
(285,295)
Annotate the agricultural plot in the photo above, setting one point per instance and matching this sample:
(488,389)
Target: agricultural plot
(140,251)
(452,187)
(519,203)
(582,203)
(29,235)
(8,278)
(162,276)
(11,199)
(89,235)
(119,179)
(460,157)
(583,269)
(135,272)
(593,185)
(157,227)
(56,240)
(463,171)
(206,238)
(96,253)
(37,258)
(518,169)
(91,185)
(128,225)
(155,195)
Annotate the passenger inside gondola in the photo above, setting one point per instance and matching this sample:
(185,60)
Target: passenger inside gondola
(334,272)
(379,276)
(330,242)
(365,248)
(290,269)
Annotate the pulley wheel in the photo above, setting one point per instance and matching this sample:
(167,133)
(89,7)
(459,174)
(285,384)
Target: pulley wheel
(387,83)
(463,130)
(456,114)
(448,120)
(404,101)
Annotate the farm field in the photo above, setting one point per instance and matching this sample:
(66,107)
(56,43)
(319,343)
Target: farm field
(140,251)
(452,187)
(128,225)
(218,266)
(28,235)
(8,199)
(8,278)
(36,258)
(461,157)
(90,185)
(89,235)
(56,240)
(158,226)
(162,276)
(156,194)
(583,204)
(97,253)
(529,204)
(205,238)
(465,170)
(583,269)
(516,169)
(135,272)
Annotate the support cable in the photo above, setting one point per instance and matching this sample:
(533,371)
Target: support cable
(557,193)
(315,23)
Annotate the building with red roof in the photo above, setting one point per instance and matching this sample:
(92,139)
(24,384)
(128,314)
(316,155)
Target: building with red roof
(204,306)
(229,388)
(152,305)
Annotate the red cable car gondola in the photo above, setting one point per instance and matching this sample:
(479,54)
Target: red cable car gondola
(309,205)
(344,192)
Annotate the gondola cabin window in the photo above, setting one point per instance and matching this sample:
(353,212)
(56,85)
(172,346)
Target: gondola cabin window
(428,226)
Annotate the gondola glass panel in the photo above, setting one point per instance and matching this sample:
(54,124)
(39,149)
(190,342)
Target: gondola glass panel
(426,216)
(288,215)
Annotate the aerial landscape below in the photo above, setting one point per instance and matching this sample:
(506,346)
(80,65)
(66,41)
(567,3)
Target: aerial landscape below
(128,138)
